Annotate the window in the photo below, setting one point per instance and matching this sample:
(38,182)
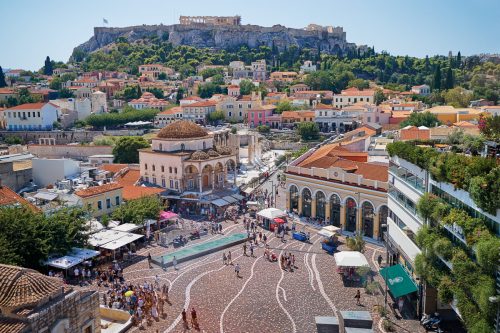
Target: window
(260,115)
(361,99)
(183,146)
(99,205)
(240,106)
(320,113)
(15,114)
(162,168)
(175,170)
(163,183)
(108,203)
(154,180)
(249,106)
(161,146)
(117,200)
(176,185)
(204,145)
(369,119)
(241,114)
(171,183)
(146,179)
(154,168)
(230,114)
(145,166)
(169,169)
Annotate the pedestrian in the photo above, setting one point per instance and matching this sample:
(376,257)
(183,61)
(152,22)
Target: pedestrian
(379,259)
(149,260)
(358,297)
(237,270)
(401,303)
(184,319)
(194,319)
(220,228)
(251,250)
(245,249)
(265,239)
(174,263)
(260,236)
(229,260)
(293,261)
(224,258)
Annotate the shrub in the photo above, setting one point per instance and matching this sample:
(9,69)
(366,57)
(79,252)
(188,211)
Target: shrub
(445,292)
(443,247)
(488,254)
(387,325)
(372,288)
(356,243)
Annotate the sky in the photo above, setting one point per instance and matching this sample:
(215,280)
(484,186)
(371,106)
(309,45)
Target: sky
(32,29)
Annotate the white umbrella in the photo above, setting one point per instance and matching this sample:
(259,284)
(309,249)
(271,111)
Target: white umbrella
(332,228)
(350,259)
(271,213)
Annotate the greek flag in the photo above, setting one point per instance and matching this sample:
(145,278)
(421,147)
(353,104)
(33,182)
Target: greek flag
(104,21)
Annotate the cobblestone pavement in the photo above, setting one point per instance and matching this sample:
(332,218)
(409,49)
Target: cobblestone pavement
(265,298)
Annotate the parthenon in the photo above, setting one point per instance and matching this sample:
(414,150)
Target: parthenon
(211,20)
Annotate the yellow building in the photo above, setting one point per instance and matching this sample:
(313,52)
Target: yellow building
(101,200)
(340,187)
(449,115)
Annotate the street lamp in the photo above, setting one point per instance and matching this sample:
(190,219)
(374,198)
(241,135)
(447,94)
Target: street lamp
(496,300)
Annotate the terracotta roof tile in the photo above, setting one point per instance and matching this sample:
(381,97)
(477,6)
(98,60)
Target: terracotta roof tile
(96,190)
(11,325)
(131,192)
(114,168)
(201,104)
(130,177)
(23,287)
(10,198)
(28,106)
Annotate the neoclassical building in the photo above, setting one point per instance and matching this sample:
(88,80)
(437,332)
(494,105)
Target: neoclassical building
(340,187)
(188,161)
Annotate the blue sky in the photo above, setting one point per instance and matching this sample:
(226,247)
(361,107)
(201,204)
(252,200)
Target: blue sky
(31,29)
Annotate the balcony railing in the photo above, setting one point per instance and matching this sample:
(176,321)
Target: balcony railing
(408,178)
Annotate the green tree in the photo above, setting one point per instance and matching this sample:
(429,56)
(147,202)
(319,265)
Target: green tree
(437,78)
(26,97)
(55,83)
(156,91)
(417,119)
(246,87)
(215,117)
(379,96)
(285,106)
(320,80)
(490,127)
(2,78)
(449,82)
(359,83)
(66,93)
(128,93)
(47,68)
(162,76)
(179,95)
(13,140)
(137,210)
(263,129)
(457,97)
(126,149)
(308,130)
(207,90)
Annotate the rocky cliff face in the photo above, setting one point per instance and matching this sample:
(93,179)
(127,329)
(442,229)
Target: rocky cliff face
(223,37)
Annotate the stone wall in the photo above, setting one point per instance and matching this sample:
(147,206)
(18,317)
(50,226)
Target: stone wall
(79,308)
(69,151)
(64,137)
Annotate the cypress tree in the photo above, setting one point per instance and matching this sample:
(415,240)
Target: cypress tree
(47,70)
(459,60)
(437,78)
(139,92)
(2,78)
(449,84)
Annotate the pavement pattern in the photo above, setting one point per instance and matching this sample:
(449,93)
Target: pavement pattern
(265,298)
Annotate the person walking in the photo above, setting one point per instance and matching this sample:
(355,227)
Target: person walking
(194,319)
(229,260)
(251,250)
(184,319)
(174,263)
(379,260)
(358,297)
(224,258)
(220,228)
(245,249)
(149,260)
(237,269)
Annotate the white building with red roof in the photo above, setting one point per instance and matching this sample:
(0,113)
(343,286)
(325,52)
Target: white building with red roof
(198,112)
(31,117)
(166,117)
(149,101)
(353,95)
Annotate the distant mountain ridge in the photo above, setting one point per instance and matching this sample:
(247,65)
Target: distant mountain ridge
(326,39)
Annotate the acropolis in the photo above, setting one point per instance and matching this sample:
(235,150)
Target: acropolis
(211,20)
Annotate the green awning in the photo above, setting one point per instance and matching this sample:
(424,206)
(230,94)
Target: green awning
(398,280)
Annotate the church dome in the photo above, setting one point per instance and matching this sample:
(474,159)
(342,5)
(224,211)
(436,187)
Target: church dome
(182,129)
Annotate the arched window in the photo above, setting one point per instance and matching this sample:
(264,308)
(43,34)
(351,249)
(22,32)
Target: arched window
(161,147)
(320,205)
(306,202)
(350,215)
(183,146)
(335,204)
(383,212)
(367,213)
(204,145)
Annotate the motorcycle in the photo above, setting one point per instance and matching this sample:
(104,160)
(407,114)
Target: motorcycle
(431,323)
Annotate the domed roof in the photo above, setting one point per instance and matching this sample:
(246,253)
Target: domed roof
(224,150)
(182,129)
(212,153)
(199,155)
(22,286)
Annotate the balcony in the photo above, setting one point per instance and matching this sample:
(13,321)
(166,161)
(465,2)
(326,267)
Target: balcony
(408,178)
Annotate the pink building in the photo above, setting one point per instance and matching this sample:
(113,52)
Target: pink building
(259,117)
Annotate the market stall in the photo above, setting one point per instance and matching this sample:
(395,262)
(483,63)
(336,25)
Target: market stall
(330,239)
(267,216)
(352,265)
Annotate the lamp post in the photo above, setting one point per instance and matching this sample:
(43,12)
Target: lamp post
(496,300)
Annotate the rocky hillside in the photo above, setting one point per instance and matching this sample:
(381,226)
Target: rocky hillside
(223,37)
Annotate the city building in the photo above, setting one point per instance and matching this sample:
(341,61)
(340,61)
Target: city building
(410,184)
(101,200)
(236,108)
(33,302)
(423,90)
(198,112)
(166,117)
(353,95)
(338,184)
(148,101)
(259,70)
(298,87)
(449,115)
(188,161)
(414,133)
(153,71)
(211,20)
(283,76)
(257,117)
(307,67)
(16,170)
(32,117)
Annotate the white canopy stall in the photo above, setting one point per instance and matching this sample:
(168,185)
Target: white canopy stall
(64,262)
(350,259)
(271,213)
(127,227)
